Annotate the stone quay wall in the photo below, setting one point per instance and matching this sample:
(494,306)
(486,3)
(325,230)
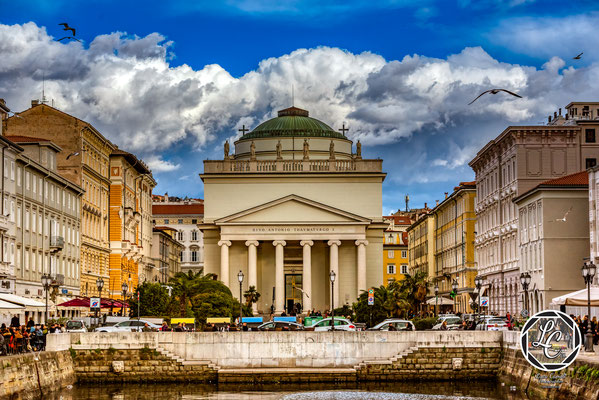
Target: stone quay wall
(32,375)
(235,350)
(579,381)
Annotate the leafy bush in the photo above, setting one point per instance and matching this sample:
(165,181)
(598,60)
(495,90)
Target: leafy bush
(423,324)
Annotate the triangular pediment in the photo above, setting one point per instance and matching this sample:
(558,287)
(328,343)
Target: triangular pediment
(293,209)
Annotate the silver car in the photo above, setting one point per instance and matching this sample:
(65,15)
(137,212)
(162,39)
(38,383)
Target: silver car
(394,325)
(76,326)
(132,325)
(452,323)
(341,324)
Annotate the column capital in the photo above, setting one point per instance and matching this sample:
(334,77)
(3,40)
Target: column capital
(306,243)
(334,242)
(224,243)
(362,241)
(279,242)
(252,242)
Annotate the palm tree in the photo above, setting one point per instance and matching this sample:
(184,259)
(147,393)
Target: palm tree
(251,296)
(414,288)
(184,288)
(396,304)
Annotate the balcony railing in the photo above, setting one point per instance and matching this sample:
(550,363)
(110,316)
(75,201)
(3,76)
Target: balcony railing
(291,166)
(57,242)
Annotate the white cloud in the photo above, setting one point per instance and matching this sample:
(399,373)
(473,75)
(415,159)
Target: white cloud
(158,165)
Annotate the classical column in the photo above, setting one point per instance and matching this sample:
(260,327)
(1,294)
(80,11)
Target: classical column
(361,264)
(279,276)
(224,261)
(334,266)
(307,274)
(252,271)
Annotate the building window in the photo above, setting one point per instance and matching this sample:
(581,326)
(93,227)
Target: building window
(194,221)
(181,256)
(194,255)
(180,235)
(194,235)
(391,269)
(404,254)
(589,135)
(404,269)
(390,281)
(180,221)
(390,253)
(590,162)
(166,221)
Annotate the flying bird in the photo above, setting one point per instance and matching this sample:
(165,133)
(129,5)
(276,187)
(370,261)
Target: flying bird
(564,219)
(67,28)
(495,91)
(68,37)
(577,57)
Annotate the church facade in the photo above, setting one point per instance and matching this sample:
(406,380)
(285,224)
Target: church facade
(292,203)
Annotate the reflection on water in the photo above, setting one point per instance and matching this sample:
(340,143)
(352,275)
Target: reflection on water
(322,391)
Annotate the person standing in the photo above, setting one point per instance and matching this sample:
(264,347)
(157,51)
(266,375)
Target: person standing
(14,322)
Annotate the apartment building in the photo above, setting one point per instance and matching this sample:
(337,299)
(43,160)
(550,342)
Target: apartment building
(395,248)
(519,159)
(166,254)
(421,249)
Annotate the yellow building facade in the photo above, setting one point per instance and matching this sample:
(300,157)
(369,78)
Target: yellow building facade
(455,221)
(84,160)
(421,236)
(131,230)
(395,249)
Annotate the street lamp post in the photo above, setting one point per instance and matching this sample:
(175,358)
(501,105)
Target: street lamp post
(125,287)
(100,285)
(478,282)
(436,298)
(240,277)
(454,286)
(46,282)
(588,273)
(525,281)
(332,276)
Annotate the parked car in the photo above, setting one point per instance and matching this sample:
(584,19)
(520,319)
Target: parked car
(394,324)
(341,324)
(493,324)
(76,326)
(453,322)
(132,325)
(280,326)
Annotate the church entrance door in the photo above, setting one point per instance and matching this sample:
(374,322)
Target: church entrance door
(293,293)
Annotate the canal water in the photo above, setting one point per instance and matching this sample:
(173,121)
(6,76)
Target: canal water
(361,391)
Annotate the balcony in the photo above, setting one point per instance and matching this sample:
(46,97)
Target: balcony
(291,166)
(56,243)
(7,270)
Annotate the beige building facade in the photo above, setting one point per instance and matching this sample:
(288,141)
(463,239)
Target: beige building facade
(84,160)
(520,158)
(291,205)
(553,229)
(166,254)
(421,245)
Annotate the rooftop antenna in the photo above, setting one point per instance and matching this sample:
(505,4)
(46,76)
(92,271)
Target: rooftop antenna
(44,100)
(292,96)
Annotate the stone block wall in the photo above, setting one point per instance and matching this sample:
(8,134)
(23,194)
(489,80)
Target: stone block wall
(145,365)
(437,363)
(29,376)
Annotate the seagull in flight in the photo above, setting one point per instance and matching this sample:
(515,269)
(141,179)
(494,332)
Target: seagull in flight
(577,57)
(565,217)
(67,28)
(495,91)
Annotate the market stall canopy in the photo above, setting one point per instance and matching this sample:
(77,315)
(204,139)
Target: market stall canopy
(84,302)
(578,298)
(5,305)
(443,301)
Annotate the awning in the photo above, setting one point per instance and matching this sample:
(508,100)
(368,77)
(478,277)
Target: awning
(84,302)
(5,305)
(442,301)
(22,301)
(578,298)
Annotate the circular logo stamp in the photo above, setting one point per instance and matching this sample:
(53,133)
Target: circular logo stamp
(550,340)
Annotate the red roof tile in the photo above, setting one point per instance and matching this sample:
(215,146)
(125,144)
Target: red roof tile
(399,219)
(578,179)
(25,139)
(178,209)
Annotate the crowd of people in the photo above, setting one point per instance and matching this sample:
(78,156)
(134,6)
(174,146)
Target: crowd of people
(17,338)
(587,326)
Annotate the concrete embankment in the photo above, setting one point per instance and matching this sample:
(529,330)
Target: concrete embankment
(32,376)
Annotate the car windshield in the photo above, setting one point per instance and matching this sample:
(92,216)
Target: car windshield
(74,325)
(124,323)
(496,321)
(450,320)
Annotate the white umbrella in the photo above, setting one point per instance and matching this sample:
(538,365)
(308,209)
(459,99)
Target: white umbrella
(443,301)
(578,298)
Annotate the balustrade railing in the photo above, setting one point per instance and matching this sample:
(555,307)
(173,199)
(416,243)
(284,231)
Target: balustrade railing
(305,166)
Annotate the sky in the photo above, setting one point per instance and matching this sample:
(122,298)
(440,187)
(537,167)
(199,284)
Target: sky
(171,81)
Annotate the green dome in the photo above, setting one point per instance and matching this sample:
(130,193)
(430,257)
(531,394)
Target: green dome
(293,121)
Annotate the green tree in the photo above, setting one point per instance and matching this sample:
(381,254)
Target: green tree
(185,286)
(414,289)
(379,311)
(397,305)
(153,300)
(251,296)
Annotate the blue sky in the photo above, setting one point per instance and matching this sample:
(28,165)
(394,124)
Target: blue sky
(201,69)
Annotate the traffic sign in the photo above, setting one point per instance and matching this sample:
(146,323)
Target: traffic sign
(94,303)
(370,297)
(484,301)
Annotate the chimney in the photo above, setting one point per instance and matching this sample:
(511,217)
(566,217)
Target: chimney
(34,103)
(555,115)
(567,116)
(560,112)
(3,102)
(437,202)
(549,119)
(446,193)
(425,205)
